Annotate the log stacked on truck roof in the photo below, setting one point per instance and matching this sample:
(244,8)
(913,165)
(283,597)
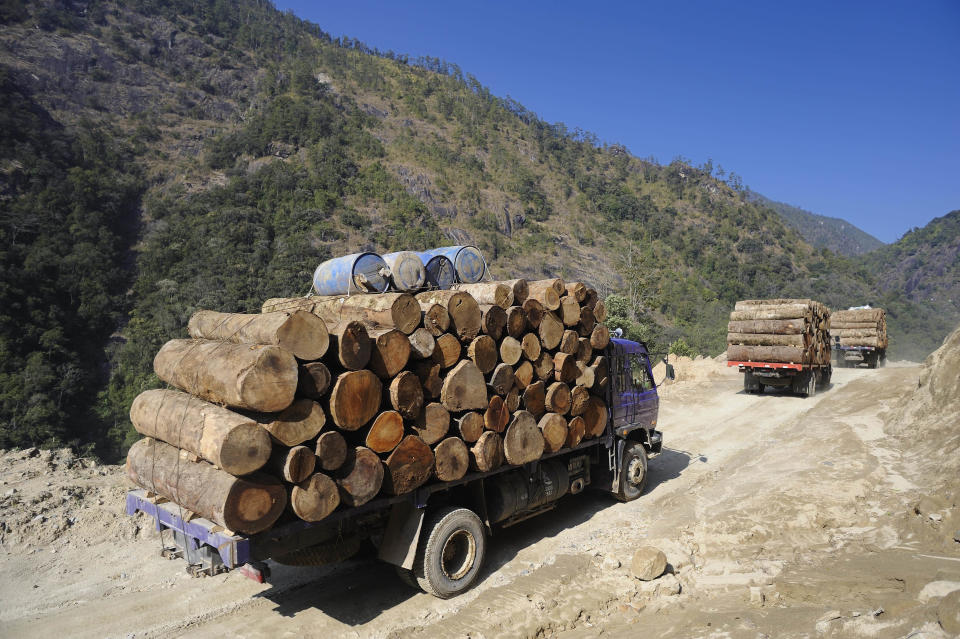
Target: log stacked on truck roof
(793,331)
(327,402)
(860,327)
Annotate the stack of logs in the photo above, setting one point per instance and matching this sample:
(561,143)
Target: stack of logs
(779,330)
(326,402)
(860,327)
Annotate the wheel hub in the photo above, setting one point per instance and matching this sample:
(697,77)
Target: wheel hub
(635,471)
(458,555)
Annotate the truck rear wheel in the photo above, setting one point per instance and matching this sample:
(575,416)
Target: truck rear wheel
(633,473)
(450,556)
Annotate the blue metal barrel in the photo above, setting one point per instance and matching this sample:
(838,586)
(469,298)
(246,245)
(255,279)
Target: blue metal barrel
(406,270)
(440,271)
(356,273)
(467,261)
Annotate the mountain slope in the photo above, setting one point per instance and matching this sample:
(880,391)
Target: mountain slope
(245,146)
(821,231)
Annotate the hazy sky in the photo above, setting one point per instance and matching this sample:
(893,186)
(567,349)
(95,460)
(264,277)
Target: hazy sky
(847,109)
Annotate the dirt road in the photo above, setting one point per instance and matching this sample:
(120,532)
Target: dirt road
(781,516)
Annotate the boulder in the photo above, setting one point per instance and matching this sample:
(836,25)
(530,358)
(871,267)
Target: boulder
(648,563)
(948,613)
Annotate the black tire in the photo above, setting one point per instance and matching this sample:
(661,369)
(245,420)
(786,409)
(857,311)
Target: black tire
(451,553)
(633,472)
(760,388)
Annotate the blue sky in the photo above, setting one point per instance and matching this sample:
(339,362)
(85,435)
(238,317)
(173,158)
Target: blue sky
(847,109)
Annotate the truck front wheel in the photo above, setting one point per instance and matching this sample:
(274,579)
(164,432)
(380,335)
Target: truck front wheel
(451,554)
(633,472)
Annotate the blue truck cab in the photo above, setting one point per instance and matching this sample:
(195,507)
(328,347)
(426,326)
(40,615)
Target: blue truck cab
(437,535)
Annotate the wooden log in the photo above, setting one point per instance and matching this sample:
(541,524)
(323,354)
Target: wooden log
(834,324)
(470,425)
(331,450)
(451,459)
(230,441)
(544,292)
(530,344)
(534,398)
(859,315)
(855,332)
(360,477)
(483,352)
(516,321)
(550,331)
(389,352)
(534,311)
(436,319)
(576,428)
(428,373)
(406,394)
(463,309)
(523,375)
(487,453)
(543,367)
(520,290)
(384,310)
(300,332)
(773,313)
(512,400)
(493,321)
(553,427)
(584,350)
(557,399)
(875,341)
(510,350)
(570,342)
(385,432)
(433,423)
(463,388)
(422,344)
(591,299)
(355,399)
(587,322)
(496,417)
(295,424)
(522,441)
(577,290)
(259,378)
(600,311)
(314,498)
(600,337)
(569,311)
(502,379)
(778,327)
(248,505)
(408,467)
(350,345)
(779,354)
(496,293)
(754,339)
(595,417)
(565,368)
(586,375)
(313,380)
(448,350)
(579,397)
(292,464)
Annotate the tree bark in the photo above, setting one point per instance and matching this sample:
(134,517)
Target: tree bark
(297,423)
(544,292)
(259,378)
(355,399)
(383,310)
(385,432)
(496,417)
(493,321)
(463,309)
(360,477)
(553,427)
(780,354)
(557,399)
(350,344)
(483,352)
(487,453)
(523,375)
(595,417)
(779,327)
(570,342)
(249,505)
(408,467)
(463,388)
(314,498)
(569,311)
(436,319)
(790,311)
(575,430)
(433,423)
(501,380)
(233,442)
(331,450)
(755,339)
(451,459)
(313,380)
(406,395)
(522,441)
(389,352)
(470,426)
(534,398)
(300,332)
(516,321)
(551,331)
(510,351)
(448,350)
(422,344)
(496,293)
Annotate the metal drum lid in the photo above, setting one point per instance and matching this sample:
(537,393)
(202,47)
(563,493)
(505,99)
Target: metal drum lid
(440,272)
(407,270)
(370,274)
(470,265)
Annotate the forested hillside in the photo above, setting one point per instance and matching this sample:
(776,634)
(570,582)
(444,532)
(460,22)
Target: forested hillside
(164,156)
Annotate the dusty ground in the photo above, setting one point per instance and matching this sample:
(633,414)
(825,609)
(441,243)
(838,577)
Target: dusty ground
(780,516)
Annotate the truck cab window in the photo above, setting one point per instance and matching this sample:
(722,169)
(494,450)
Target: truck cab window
(640,372)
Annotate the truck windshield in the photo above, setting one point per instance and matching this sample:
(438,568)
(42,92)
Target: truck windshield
(640,372)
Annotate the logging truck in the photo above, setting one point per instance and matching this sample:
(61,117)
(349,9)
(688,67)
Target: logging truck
(436,536)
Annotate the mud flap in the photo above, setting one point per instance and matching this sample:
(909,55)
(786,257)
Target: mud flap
(400,539)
